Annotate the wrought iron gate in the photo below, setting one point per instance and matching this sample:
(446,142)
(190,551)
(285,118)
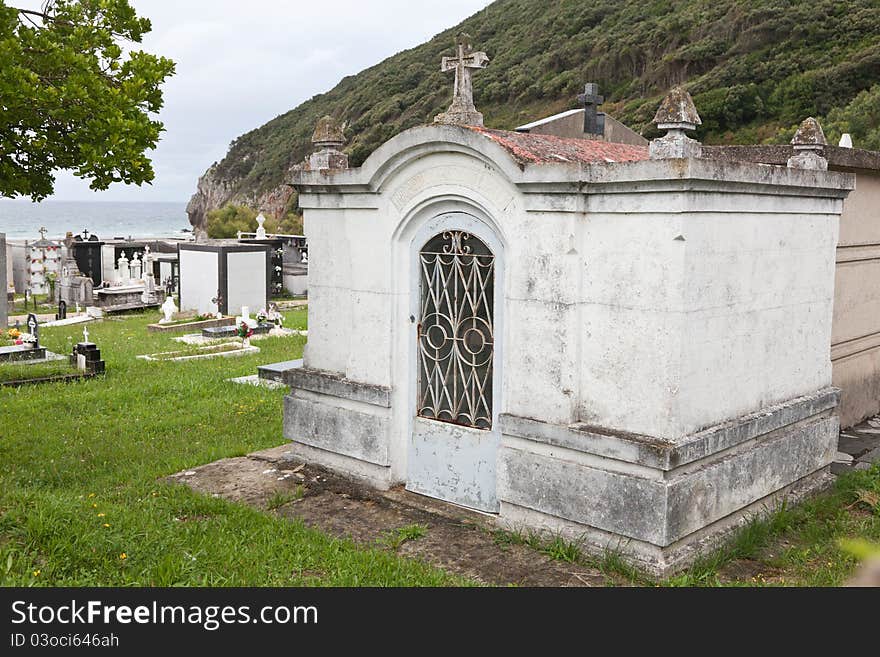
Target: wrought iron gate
(456,342)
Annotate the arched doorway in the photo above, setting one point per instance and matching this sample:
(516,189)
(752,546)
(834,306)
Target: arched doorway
(454,444)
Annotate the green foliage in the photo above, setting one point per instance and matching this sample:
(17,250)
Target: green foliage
(227,221)
(395,538)
(72,99)
(752,66)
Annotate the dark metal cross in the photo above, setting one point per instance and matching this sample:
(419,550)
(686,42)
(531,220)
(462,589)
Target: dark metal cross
(591,100)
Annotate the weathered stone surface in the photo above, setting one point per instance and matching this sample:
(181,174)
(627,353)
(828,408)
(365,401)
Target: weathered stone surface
(809,145)
(661,508)
(327,383)
(809,133)
(333,428)
(663,454)
(871,457)
(462,110)
(855,444)
(328,138)
(328,132)
(678,109)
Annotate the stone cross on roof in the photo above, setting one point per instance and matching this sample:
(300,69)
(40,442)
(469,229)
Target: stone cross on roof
(462,110)
(591,99)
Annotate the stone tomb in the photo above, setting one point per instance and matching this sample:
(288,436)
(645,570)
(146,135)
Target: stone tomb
(224,276)
(86,356)
(29,350)
(625,345)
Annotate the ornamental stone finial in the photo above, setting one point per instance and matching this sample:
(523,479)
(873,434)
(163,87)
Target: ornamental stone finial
(677,114)
(328,138)
(809,145)
(462,110)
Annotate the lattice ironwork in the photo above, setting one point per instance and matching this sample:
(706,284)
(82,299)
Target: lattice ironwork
(456,340)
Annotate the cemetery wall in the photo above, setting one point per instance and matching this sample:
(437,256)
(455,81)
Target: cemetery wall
(855,350)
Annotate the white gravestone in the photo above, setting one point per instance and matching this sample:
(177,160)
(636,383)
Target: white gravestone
(261,232)
(168,309)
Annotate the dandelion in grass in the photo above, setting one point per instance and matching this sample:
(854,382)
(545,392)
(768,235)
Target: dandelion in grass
(100,515)
(123,556)
(106,524)
(37,572)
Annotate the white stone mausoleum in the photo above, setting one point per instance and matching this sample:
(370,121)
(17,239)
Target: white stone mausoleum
(627,345)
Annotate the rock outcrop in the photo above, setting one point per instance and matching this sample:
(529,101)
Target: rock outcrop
(213,193)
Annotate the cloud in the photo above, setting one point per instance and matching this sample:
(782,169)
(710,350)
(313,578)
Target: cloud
(240,64)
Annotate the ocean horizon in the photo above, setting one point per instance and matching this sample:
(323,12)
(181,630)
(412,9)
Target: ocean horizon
(22,219)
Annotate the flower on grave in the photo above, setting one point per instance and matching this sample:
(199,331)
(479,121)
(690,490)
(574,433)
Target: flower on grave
(14,334)
(244,330)
(262,316)
(27,338)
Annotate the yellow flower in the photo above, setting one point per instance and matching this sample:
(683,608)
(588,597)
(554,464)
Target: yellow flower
(94,506)
(91,494)
(37,572)
(123,556)
(100,515)
(106,524)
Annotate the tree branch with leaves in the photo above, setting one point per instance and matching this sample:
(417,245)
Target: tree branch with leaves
(74,95)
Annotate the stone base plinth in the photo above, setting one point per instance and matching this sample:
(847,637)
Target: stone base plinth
(663,504)
(339,424)
(660,504)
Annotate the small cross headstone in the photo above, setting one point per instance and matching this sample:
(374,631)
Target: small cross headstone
(85,334)
(34,329)
(62,310)
(218,301)
(42,232)
(594,124)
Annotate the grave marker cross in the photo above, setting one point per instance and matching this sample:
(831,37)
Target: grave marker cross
(591,99)
(462,110)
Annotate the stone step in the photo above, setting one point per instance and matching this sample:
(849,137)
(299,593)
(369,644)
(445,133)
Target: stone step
(275,371)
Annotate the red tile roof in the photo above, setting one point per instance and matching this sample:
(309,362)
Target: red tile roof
(546,149)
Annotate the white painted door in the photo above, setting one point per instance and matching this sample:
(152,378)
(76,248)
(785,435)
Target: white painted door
(454,444)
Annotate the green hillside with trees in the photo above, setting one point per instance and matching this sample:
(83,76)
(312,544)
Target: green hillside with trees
(754,67)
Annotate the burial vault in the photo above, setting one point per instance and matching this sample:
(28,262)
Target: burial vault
(626,345)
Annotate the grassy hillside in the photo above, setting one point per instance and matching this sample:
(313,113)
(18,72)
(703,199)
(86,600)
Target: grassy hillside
(754,67)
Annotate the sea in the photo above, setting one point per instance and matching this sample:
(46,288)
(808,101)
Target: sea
(22,220)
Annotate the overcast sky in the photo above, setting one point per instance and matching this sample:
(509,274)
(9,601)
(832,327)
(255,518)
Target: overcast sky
(240,63)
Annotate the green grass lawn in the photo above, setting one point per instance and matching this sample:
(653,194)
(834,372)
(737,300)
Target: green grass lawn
(80,498)
(81,501)
(43,305)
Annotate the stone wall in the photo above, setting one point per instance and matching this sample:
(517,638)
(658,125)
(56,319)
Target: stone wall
(855,337)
